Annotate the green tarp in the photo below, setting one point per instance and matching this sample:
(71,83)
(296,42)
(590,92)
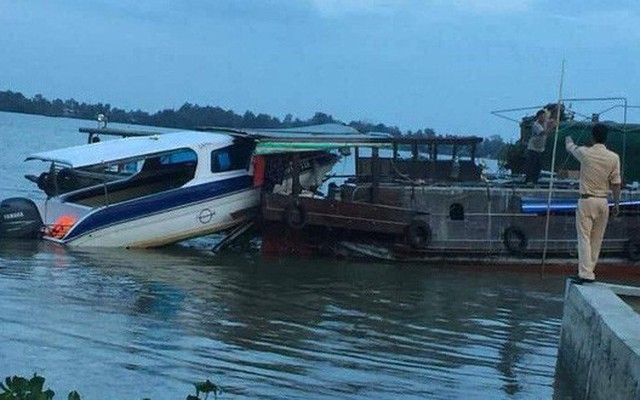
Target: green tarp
(623,139)
(279,147)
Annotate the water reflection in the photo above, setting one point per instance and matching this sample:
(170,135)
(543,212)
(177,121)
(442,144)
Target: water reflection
(277,328)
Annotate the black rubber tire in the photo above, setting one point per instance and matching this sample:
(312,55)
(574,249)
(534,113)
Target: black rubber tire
(419,234)
(295,216)
(515,240)
(632,249)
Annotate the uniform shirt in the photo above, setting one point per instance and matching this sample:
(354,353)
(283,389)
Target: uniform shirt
(538,138)
(599,168)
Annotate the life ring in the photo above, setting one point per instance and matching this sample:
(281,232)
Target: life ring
(515,240)
(419,234)
(295,216)
(632,249)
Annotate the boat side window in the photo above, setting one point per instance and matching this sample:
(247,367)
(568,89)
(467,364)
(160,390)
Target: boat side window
(185,159)
(183,156)
(233,157)
(137,178)
(456,212)
(221,160)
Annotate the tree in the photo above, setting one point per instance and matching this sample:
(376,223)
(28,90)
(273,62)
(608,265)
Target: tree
(321,118)
(187,116)
(491,147)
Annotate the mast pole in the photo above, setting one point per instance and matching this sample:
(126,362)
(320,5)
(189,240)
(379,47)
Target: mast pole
(553,164)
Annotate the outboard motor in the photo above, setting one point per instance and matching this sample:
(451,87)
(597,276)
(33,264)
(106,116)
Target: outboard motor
(19,218)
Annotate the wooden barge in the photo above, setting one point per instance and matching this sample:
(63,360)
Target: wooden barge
(429,199)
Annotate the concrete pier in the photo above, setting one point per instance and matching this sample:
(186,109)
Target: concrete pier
(600,341)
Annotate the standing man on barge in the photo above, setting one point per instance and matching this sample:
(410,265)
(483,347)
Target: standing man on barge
(536,145)
(599,173)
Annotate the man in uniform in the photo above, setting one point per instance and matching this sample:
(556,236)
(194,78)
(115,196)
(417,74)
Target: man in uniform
(599,173)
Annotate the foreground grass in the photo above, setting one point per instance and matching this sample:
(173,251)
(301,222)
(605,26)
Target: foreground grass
(20,388)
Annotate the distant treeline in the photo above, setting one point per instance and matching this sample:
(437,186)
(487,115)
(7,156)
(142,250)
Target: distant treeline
(189,116)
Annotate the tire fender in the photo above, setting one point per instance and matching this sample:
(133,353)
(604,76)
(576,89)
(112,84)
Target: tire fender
(632,249)
(515,240)
(295,216)
(419,234)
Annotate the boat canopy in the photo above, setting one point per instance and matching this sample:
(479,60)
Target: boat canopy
(129,148)
(307,138)
(271,146)
(315,138)
(321,130)
(309,131)
(322,137)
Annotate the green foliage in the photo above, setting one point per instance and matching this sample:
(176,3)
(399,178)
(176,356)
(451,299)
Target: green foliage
(74,396)
(19,388)
(512,157)
(188,116)
(205,388)
(491,147)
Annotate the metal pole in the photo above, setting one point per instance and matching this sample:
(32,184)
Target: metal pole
(553,163)
(375,175)
(104,179)
(295,175)
(624,140)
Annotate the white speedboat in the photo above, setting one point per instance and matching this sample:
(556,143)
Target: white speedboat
(149,190)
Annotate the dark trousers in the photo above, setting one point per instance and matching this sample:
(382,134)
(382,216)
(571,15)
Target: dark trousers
(533,166)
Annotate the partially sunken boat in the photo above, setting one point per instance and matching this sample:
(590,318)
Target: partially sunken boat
(149,190)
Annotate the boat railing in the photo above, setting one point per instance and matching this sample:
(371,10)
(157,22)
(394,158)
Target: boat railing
(94,133)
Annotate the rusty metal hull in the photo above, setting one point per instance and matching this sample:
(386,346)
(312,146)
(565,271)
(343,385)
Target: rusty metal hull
(484,213)
(468,223)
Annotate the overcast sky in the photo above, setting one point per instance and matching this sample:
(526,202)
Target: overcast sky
(443,64)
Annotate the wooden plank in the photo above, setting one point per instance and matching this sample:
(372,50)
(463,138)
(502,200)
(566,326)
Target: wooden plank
(337,214)
(375,179)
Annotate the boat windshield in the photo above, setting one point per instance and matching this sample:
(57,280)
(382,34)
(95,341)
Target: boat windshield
(120,180)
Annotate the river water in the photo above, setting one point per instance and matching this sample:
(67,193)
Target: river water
(128,324)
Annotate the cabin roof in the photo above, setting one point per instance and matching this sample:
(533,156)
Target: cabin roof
(278,142)
(440,140)
(307,138)
(312,131)
(130,147)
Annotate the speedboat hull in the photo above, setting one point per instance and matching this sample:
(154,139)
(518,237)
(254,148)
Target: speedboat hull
(157,222)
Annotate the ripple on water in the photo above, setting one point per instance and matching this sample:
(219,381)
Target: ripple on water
(133,324)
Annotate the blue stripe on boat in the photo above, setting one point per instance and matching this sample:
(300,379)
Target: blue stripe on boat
(562,206)
(157,203)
